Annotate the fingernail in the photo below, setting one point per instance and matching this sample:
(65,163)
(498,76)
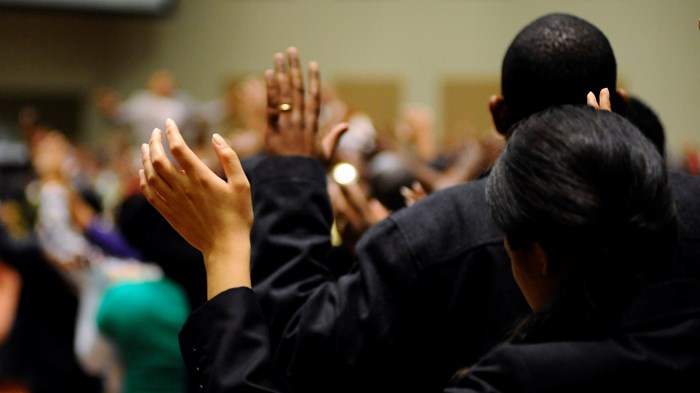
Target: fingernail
(144,148)
(218,140)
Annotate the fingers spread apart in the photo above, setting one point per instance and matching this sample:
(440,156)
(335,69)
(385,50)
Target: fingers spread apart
(603,103)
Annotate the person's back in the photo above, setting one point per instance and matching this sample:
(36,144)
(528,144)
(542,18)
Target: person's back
(142,318)
(591,251)
(432,289)
(589,221)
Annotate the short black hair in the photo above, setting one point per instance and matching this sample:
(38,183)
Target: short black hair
(557,59)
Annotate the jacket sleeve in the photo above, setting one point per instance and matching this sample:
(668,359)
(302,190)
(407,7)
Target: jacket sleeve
(224,344)
(322,330)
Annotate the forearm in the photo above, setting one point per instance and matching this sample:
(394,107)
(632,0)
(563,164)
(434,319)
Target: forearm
(228,267)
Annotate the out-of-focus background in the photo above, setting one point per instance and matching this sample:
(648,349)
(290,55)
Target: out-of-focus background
(380,54)
(84,82)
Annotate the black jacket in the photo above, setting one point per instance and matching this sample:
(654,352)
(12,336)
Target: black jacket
(431,290)
(655,348)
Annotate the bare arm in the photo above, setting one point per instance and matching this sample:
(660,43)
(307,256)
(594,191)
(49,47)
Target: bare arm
(212,214)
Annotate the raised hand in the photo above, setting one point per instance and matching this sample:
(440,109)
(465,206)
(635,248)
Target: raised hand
(355,212)
(413,194)
(604,99)
(212,214)
(292,117)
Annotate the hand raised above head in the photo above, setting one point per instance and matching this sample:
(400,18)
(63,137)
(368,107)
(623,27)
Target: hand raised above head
(292,117)
(603,103)
(205,209)
(214,215)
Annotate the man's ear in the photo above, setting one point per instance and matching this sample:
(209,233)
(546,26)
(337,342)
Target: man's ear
(499,114)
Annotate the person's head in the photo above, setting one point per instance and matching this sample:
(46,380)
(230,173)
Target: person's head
(583,200)
(387,174)
(642,116)
(555,60)
(162,83)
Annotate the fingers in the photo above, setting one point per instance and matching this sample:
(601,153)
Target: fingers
(152,184)
(591,100)
(190,163)
(284,90)
(297,87)
(229,160)
(603,103)
(604,100)
(413,194)
(159,171)
(314,104)
(330,141)
(272,99)
(292,117)
(160,181)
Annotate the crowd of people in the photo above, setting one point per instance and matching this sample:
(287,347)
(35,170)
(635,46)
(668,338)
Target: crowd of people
(558,254)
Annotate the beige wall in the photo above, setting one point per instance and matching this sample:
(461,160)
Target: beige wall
(419,42)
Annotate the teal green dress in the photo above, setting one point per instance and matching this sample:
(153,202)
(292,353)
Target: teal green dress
(143,319)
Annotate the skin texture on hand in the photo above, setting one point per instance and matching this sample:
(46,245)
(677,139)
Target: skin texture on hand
(355,212)
(215,215)
(212,214)
(294,132)
(604,100)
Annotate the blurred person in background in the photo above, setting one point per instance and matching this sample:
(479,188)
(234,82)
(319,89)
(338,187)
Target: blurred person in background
(239,116)
(144,110)
(129,313)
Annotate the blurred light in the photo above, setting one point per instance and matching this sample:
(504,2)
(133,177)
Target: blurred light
(344,173)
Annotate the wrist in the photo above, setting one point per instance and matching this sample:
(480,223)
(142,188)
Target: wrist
(228,266)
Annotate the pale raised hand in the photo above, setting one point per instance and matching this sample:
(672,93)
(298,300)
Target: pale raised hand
(213,214)
(603,103)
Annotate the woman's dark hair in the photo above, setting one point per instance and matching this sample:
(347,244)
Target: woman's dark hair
(592,190)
